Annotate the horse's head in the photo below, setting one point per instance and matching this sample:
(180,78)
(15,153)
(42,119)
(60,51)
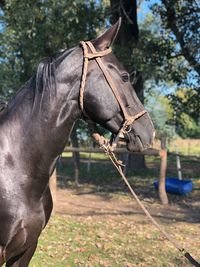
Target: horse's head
(109,98)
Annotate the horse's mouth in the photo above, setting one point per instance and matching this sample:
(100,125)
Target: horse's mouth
(134,143)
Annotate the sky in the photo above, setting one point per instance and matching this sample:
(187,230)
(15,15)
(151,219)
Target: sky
(144,9)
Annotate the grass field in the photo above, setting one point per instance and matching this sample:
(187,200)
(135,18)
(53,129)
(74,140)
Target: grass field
(187,147)
(69,241)
(106,237)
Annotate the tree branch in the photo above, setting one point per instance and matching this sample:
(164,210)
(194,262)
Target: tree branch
(176,55)
(171,23)
(125,13)
(139,3)
(2,3)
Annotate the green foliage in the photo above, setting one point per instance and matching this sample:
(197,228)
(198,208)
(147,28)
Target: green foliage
(157,53)
(161,114)
(186,108)
(36,29)
(105,240)
(166,55)
(181,21)
(180,25)
(155,57)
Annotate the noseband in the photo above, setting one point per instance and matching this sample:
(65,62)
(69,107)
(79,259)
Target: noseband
(128,120)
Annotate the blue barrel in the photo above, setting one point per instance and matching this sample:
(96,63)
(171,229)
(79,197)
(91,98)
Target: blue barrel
(176,186)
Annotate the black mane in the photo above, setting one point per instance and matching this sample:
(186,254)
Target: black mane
(43,81)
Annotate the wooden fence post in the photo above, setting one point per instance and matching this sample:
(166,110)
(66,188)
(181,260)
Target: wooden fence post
(53,188)
(161,186)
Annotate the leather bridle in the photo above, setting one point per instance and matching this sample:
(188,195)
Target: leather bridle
(128,120)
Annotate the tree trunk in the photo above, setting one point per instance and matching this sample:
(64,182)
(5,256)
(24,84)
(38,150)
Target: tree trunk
(129,32)
(126,41)
(136,162)
(75,155)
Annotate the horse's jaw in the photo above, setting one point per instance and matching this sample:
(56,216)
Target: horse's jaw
(134,143)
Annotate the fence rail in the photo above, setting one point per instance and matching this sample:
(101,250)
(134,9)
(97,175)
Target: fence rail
(153,152)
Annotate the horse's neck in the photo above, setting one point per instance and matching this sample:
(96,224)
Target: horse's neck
(43,119)
(42,129)
(53,121)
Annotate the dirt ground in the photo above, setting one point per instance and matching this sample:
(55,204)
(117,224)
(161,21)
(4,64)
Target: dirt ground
(98,200)
(109,204)
(83,203)
(88,205)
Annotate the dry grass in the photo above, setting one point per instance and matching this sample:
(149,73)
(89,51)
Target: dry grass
(184,146)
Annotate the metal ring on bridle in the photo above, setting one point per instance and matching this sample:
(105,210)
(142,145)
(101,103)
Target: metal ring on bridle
(126,129)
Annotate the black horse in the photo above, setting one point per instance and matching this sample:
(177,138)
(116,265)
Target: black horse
(35,126)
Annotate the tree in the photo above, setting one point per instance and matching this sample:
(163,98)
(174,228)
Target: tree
(180,24)
(186,109)
(33,29)
(126,42)
(183,20)
(168,60)
(128,37)
(162,115)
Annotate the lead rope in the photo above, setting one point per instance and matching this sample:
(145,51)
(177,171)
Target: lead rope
(104,144)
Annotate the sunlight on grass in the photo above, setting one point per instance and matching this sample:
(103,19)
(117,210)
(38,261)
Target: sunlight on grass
(86,155)
(69,241)
(118,240)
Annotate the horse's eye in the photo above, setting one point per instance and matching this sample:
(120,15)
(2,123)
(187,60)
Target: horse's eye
(125,77)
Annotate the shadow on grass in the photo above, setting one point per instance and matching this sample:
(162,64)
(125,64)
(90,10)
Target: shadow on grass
(165,216)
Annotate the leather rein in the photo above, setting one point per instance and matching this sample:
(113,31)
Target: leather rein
(128,119)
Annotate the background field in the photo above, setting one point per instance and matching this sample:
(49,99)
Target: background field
(98,224)
(188,147)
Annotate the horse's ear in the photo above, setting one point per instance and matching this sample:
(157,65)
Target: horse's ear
(108,37)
